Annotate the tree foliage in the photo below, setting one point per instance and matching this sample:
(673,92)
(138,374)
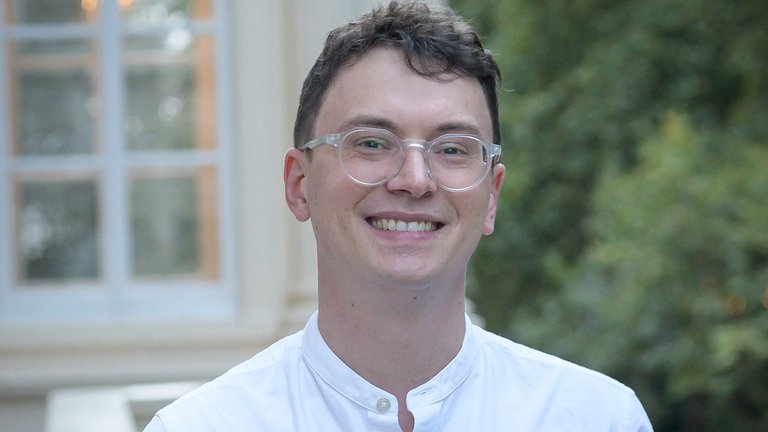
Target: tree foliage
(632,235)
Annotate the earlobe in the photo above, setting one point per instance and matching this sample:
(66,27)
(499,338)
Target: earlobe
(294,177)
(498,178)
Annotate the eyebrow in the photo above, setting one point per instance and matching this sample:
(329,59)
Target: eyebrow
(368,121)
(458,127)
(461,127)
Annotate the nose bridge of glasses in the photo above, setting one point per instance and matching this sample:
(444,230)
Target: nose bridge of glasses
(420,146)
(413,143)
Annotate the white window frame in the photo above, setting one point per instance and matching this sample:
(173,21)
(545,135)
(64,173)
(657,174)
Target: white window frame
(116,297)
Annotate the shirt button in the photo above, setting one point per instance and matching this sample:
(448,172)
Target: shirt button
(383,405)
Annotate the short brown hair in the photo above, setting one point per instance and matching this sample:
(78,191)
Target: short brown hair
(434,41)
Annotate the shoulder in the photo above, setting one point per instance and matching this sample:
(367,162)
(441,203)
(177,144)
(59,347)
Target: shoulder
(283,351)
(525,361)
(244,395)
(563,389)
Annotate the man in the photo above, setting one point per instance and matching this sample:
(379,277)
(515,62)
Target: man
(397,167)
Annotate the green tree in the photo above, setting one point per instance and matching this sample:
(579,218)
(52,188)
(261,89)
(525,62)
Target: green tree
(633,230)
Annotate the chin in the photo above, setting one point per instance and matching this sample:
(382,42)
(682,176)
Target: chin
(415,277)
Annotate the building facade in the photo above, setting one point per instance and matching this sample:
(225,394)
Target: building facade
(143,232)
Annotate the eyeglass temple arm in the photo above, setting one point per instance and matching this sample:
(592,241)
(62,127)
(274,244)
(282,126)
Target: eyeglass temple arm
(331,139)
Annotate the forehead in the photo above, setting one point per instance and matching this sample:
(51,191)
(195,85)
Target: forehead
(380,85)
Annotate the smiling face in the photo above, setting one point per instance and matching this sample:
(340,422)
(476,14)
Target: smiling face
(406,232)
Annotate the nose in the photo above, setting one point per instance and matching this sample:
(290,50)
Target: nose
(414,176)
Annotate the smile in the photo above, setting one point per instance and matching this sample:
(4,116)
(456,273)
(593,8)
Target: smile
(399,225)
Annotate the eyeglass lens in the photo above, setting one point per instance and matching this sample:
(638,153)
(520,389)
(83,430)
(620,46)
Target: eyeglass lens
(455,161)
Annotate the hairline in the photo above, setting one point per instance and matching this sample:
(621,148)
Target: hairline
(384,45)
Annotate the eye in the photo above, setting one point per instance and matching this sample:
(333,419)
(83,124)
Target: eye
(371,143)
(451,148)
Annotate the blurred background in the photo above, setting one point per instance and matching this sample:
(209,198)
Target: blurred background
(145,246)
(633,230)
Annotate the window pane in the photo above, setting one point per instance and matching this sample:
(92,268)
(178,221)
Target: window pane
(170,94)
(54,100)
(61,52)
(57,233)
(173,225)
(51,11)
(163,11)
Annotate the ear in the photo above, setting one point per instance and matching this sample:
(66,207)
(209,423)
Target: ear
(294,179)
(498,178)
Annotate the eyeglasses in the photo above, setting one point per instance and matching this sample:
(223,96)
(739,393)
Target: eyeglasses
(371,156)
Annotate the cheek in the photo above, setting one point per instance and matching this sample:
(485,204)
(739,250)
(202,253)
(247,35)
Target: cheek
(475,213)
(477,206)
(331,203)
(320,184)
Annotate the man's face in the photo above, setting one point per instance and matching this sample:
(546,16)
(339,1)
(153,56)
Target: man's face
(381,91)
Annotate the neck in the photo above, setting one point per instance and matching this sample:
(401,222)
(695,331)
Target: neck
(395,338)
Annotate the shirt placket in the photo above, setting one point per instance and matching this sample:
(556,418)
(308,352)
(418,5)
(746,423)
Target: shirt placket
(383,418)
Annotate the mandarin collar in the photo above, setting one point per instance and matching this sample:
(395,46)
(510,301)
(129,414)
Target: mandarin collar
(335,373)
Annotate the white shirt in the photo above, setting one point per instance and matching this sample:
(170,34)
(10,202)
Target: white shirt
(493,384)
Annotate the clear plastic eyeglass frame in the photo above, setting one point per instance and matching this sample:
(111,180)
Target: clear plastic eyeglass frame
(492,153)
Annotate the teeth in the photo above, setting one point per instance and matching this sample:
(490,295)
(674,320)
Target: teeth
(398,225)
